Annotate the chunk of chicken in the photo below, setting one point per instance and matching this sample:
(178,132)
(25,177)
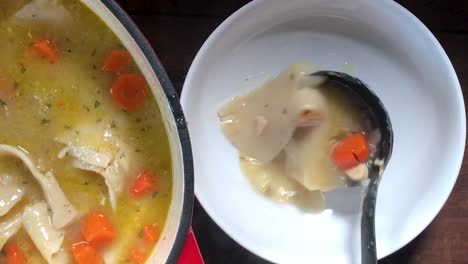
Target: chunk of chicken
(358,173)
(105,154)
(113,167)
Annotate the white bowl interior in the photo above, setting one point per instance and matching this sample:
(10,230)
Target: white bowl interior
(380,43)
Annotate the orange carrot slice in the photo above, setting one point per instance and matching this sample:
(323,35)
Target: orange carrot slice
(116,61)
(351,151)
(129,91)
(143,184)
(84,253)
(15,254)
(45,48)
(98,230)
(150,234)
(137,256)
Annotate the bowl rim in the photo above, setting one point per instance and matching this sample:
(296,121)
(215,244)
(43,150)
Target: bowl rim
(392,7)
(182,130)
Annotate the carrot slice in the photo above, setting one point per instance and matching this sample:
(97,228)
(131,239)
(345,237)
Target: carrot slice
(15,254)
(351,151)
(84,253)
(98,230)
(117,61)
(129,91)
(45,48)
(143,183)
(150,234)
(137,256)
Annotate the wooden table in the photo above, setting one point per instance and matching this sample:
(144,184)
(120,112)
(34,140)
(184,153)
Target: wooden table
(178,28)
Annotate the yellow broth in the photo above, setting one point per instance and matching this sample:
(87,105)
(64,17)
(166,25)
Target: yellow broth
(54,99)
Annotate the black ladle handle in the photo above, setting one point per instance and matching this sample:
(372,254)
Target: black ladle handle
(368,244)
(380,121)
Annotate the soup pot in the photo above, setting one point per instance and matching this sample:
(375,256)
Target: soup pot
(171,248)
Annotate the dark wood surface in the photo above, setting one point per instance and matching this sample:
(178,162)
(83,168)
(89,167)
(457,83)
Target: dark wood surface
(178,28)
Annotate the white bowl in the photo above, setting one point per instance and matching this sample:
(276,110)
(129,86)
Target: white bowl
(382,44)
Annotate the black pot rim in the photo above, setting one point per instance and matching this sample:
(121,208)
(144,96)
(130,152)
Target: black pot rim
(173,100)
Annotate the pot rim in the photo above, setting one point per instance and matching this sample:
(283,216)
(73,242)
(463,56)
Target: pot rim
(182,130)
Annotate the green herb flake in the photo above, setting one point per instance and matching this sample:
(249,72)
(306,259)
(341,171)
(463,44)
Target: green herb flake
(45,122)
(154,194)
(97,104)
(67,127)
(113,124)
(22,68)
(140,234)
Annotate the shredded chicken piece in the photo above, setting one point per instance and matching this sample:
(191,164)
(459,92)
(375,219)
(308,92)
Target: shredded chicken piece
(114,168)
(358,173)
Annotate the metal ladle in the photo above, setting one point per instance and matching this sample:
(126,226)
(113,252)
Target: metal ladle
(379,121)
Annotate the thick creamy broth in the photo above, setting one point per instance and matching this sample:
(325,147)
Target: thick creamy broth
(68,103)
(286,131)
(270,179)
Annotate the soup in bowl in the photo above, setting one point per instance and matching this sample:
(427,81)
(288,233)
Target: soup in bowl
(95,162)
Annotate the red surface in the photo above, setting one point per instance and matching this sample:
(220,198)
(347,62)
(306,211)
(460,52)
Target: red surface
(190,253)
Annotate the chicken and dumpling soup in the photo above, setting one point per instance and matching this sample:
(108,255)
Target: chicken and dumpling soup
(298,137)
(85,166)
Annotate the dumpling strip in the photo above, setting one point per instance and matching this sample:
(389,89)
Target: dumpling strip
(45,236)
(262,122)
(9,227)
(63,212)
(10,195)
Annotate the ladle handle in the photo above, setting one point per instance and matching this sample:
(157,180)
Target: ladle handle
(368,243)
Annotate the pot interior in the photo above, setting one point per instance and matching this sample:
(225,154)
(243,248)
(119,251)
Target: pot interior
(179,214)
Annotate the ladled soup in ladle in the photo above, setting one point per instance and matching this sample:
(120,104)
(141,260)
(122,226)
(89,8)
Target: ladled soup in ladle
(298,137)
